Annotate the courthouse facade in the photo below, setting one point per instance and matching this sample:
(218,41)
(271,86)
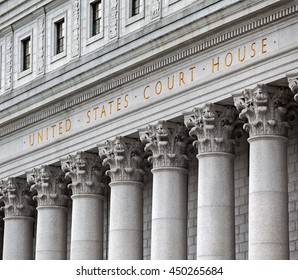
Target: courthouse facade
(149,129)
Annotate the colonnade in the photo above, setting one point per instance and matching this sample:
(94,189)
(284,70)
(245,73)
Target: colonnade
(265,112)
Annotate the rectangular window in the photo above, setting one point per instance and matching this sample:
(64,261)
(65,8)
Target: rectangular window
(60,36)
(26,47)
(135,7)
(96,17)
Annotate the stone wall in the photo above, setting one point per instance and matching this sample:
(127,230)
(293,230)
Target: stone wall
(293,192)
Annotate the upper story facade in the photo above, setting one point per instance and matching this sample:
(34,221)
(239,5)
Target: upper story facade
(39,37)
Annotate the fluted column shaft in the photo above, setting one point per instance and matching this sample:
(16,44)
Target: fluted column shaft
(123,156)
(85,171)
(18,221)
(215,222)
(167,142)
(266,110)
(51,229)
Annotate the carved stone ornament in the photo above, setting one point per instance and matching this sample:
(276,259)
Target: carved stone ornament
(155,8)
(167,142)
(123,155)
(114,9)
(8,61)
(267,110)
(49,183)
(86,173)
(75,46)
(293,84)
(16,197)
(41,44)
(214,128)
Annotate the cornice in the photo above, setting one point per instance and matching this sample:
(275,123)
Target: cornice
(140,72)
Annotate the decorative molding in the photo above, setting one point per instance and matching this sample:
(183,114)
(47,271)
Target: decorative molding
(16,197)
(152,67)
(167,141)
(41,45)
(267,110)
(124,156)
(8,61)
(213,129)
(86,173)
(75,46)
(155,9)
(49,183)
(114,10)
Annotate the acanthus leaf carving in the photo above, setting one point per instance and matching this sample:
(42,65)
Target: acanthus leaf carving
(86,173)
(16,197)
(50,185)
(293,84)
(267,110)
(213,127)
(124,156)
(167,142)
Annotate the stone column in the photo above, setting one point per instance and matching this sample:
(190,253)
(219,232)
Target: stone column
(167,142)
(266,110)
(18,221)
(85,171)
(51,232)
(214,129)
(1,230)
(126,206)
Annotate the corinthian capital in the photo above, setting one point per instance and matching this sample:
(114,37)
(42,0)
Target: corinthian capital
(85,171)
(267,110)
(214,128)
(293,84)
(49,183)
(123,155)
(167,142)
(16,197)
